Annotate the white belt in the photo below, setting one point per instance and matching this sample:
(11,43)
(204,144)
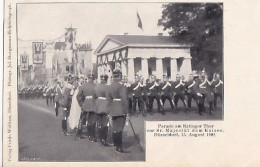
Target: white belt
(116,99)
(88,97)
(102,98)
(56,94)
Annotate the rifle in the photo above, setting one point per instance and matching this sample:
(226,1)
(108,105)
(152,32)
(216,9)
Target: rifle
(136,137)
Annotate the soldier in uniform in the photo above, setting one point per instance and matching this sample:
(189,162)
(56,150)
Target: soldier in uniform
(204,92)
(101,109)
(191,90)
(117,108)
(136,92)
(85,98)
(217,88)
(153,93)
(57,97)
(166,92)
(178,89)
(65,102)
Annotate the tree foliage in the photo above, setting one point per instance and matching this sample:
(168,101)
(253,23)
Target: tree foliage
(200,24)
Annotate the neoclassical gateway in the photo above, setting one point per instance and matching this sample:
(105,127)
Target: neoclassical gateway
(143,55)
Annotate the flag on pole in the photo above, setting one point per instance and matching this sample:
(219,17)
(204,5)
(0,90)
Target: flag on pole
(139,24)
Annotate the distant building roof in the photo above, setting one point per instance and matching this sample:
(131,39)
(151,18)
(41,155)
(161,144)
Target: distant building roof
(59,45)
(141,39)
(85,47)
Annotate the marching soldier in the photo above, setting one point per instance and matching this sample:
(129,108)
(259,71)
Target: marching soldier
(118,108)
(178,88)
(101,110)
(85,98)
(153,93)
(65,103)
(191,90)
(57,97)
(136,92)
(145,93)
(166,92)
(217,86)
(204,92)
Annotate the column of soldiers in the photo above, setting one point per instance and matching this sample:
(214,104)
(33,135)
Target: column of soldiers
(197,88)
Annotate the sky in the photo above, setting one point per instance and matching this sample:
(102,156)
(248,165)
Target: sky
(93,20)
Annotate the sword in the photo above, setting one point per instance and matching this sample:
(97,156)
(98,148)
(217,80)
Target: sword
(136,137)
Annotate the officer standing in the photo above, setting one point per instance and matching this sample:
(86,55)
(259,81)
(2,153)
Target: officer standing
(101,109)
(217,88)
(65,102)
(166,92)
(57,97)
(85,98)
(178,88)
(117,108)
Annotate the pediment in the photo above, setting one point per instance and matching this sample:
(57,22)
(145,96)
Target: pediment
(108,44)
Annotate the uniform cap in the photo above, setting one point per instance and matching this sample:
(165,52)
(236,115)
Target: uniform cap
(117,72)
(91,76)
(103,77)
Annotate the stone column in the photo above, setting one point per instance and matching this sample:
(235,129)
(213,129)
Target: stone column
(123,67)
(99,70)
(131,69)
(145,70)
(173,68)
(185,69)
(159,68)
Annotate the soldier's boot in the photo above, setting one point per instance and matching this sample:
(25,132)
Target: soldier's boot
(79,133)
(99,134)
(211,107)
(161,108)
(200,109)
(64,127)
(114,139)
(92,133)
(173,106)
(119,145)
(104,136)
(185,105)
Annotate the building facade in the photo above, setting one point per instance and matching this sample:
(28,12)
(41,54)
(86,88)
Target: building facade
(144,55)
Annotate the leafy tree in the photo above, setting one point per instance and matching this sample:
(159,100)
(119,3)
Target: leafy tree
(200,24)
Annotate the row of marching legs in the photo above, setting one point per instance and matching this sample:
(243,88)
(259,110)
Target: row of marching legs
(147,102)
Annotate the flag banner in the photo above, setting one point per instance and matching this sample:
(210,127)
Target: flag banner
(24,61)
(37,52)
(139,21)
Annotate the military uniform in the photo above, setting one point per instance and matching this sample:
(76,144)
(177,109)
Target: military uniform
(136,92)
(101,109)
(145,95)
(178,89)
(65,103)
(167,93)
(154,93)
(191,87)
(57,98)
(85,98)
(217,89)
(117,108)
(204,92)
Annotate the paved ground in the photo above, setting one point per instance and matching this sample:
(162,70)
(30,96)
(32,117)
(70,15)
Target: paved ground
(40,137)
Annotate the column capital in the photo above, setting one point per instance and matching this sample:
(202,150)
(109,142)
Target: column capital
(173,58)
(187,57)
